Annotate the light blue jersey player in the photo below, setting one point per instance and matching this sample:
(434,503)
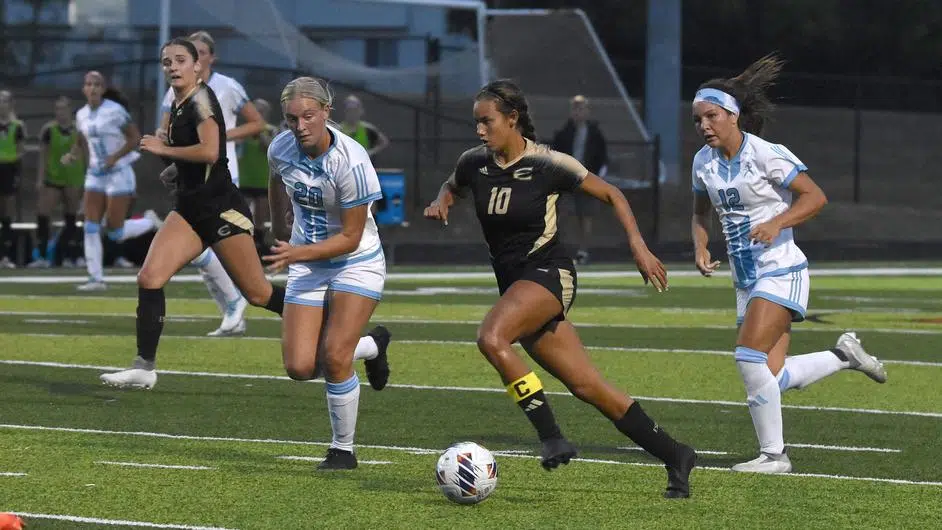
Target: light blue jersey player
(760,191)
(325,181)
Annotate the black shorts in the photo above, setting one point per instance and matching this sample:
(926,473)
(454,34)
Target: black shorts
(217,217)
(9,175)
(557,276)
(254,193)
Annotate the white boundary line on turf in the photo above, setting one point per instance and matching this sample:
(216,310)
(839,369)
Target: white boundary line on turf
(192,278)
(426,451)
(399,320)
(850,448)
(114,522)
(474,389)
(12,474)
(721,353)
(321,459)
(155,466)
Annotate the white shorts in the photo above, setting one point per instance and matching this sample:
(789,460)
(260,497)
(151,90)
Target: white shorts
(789,290)
(308,285)
(115,183)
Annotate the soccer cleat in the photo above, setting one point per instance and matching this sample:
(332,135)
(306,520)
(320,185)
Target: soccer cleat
(124,263)
(5,263)
(93,285)
(136,378)
(154,218)
(678,477)
(39,263)
(859,359)
(338,459)
(556,451)
(377,368)
(767,464)
(233,321)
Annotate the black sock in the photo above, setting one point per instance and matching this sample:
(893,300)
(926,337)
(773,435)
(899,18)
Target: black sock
(68,246)
(42,235)
(839,354)
(642,430)
(6,237)
(276,304)
(151,307)
(528,393)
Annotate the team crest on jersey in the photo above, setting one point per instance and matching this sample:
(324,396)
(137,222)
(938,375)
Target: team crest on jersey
(524,173)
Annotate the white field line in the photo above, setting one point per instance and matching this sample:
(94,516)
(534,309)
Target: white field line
(427,451)
(401,320)
(155,466)
(699,451)
(193,278)
(321,459)
(113,522)
(722,353)
(850,448)
(12,474)
(476,389)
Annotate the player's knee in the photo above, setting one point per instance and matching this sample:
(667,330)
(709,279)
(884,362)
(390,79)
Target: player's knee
(300,370)
(257,295)
(338,356)
(584,389)
(150,279)
(491,343)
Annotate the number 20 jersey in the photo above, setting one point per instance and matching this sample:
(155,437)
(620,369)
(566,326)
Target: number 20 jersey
(746,191)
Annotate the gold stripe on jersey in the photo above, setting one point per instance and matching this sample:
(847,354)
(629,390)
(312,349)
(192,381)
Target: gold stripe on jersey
(237,219)
(565,280)
(203,105)
(549,221)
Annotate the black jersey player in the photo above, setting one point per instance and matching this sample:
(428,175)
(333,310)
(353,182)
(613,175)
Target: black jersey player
(208,211)
(515,184)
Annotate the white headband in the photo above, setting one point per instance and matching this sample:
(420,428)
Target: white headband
(717,97)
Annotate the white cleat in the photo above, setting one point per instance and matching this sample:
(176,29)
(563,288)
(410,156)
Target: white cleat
(124,263)
(233,322)
(136,378)
(152,215)
(39,264)
(859,359)
(92,285)
(5,263)
(767,464)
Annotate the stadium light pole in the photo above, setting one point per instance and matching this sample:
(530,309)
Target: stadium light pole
(163,36)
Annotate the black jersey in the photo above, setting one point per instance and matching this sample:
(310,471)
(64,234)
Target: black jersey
(195,178)
(517,203)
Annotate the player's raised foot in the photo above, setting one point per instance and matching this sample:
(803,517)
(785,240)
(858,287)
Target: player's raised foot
(557,451)
(135,378)
(377,368)
(233,322)
(678,475)
(859,359)
(767,464)
(93,285)
(338,459)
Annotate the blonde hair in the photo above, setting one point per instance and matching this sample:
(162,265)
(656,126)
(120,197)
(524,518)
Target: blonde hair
(205,38)
(307,87)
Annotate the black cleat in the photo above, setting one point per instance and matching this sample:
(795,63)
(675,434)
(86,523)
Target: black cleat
(338,459)
(377,368)
(678,477)
(557,451)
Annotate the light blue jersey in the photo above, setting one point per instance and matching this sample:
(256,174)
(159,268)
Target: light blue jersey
(746,191)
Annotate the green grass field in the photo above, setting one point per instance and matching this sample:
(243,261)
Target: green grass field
(238,441)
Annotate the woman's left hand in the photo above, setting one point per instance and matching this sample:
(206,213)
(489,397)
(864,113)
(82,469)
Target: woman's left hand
(152,144)
(283,254)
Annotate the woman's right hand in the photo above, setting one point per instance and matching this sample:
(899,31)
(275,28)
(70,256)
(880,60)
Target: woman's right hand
(704,262)
(438,209)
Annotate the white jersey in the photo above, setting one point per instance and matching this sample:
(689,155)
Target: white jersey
(103,128)
(321,188)
(746,191)
(231,98)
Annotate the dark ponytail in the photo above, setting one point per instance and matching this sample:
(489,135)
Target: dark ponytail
(115,95)
(749,90)
(508,97)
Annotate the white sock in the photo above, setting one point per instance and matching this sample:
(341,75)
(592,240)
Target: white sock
(137,227)
(217,280)
(802,370)
(764,398)
(343,402)
(93,251)
(366,349)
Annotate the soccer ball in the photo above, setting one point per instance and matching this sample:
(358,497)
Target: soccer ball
(466,473)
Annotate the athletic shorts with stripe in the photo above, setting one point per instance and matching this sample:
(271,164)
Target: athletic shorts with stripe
(557,276)
(218,217)
(789,290)
(116,182)
(309,283)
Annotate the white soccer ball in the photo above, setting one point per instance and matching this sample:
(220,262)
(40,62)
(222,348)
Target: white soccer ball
(466,473)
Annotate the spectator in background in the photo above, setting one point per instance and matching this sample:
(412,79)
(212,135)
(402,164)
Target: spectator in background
(583,140)
(12,136)
(365,133)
